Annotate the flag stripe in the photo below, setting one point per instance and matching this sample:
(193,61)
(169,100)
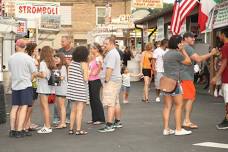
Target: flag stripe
(180,11)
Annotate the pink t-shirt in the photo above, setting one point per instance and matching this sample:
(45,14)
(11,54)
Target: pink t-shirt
(94,69)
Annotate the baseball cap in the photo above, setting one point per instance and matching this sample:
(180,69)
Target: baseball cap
(188,34)
(21,43)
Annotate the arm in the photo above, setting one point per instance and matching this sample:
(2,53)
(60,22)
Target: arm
(221,70)
(85,69)
(199,58)
(187,60)
(141,61)
(108,74)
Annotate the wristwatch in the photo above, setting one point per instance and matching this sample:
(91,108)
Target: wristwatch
(105,81)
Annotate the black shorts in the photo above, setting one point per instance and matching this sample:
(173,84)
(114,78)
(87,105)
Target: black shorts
(146,72)
(22,97)
(35,94)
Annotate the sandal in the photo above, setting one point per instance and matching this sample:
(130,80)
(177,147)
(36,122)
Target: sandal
(70,132)
(189,126)
(143,100)
(81,132)
(60,127)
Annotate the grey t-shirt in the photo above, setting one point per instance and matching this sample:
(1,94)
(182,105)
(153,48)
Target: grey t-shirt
(187,72)
(112,60)
(21,66)
(172,64)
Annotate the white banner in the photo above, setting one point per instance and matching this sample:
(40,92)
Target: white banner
(33,9)
(160,29)
(147,3)
(221,15)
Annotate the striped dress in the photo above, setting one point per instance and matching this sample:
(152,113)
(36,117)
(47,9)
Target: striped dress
(77,88)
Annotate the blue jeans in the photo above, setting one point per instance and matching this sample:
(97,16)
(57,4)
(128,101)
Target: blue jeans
(68,111)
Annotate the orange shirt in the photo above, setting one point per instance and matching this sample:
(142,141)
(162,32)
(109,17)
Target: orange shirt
(147,60)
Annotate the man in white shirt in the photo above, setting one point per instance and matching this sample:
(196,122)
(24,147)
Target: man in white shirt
(159,69)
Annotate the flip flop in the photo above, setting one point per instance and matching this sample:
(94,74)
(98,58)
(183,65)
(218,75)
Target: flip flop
(61,127)
(190,126)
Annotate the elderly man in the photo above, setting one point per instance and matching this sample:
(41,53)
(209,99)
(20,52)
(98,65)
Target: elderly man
(111,77)
(22,68)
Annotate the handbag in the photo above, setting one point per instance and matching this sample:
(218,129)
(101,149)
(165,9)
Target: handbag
(51,99)
(167,85)
(54,79)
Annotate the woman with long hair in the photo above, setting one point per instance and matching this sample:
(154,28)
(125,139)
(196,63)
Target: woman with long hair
(173,61)
(60,90)
(146,69)
(44,90)
(95,67)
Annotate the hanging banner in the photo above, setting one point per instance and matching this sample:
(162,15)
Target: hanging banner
(50,22)
(147,3)
(160,29)
(221,15)
(33,9)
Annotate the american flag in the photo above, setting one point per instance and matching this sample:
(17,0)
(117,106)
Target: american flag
(181,10)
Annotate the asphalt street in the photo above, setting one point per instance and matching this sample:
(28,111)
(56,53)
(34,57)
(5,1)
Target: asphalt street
(142,131)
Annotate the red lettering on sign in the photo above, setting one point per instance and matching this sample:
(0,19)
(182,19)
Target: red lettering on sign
(39,10)
(20,9)
(28,9)
(33,10)
(49,10)
(44,10)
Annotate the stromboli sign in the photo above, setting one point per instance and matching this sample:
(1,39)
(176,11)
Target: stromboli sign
(31,9)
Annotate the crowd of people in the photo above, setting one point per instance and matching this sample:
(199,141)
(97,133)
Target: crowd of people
(96,75)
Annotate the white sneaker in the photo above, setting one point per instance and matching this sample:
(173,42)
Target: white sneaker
(44,130)
(167,132)
(182,132)
(157,99)
(220,93)
(216,93)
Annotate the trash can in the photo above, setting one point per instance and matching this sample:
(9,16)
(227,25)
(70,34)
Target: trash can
(2,104)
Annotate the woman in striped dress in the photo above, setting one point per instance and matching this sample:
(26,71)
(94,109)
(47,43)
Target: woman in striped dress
(77,89)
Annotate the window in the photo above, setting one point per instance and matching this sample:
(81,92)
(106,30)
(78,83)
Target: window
(100,15)
(66,15)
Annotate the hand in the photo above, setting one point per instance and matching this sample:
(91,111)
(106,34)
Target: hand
(181,46)
(213,80)
(214,51)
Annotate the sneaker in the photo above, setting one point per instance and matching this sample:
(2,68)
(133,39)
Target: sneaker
(182,132)
(19,134)
(223,125)
(44,130)
(12,133)
(167,132)
(216,93)
(67,121)
(157,99)
(55,122)
(27,133)
(107,129)
(118,125)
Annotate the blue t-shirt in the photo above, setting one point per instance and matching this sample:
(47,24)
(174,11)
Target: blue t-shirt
(112,60)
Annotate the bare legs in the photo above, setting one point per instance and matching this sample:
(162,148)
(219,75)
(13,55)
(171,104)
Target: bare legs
(17,117)
(76,114)
(146,88)
(62,111)
(168,102)
(45,109)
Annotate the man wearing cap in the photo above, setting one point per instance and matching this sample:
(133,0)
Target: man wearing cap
(187,77)
(22,69)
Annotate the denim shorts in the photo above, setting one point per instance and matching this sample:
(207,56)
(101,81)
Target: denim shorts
(125,89)
(22,97)
(178,91)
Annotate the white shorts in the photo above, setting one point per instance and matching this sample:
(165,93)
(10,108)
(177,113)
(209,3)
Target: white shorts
(225,91)
(157,79)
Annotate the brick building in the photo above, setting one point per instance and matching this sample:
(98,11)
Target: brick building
(78,17)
